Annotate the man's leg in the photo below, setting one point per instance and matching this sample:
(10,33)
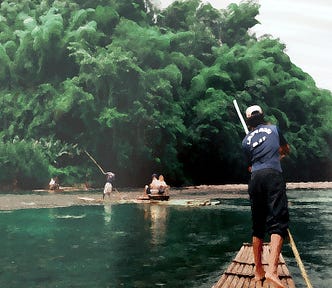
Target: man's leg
(272,272)
(257,245)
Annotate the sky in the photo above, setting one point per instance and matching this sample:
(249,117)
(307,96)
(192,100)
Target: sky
(304,26)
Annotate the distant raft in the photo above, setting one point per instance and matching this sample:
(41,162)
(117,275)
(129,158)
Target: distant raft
(154,197)
(155,194)
(158,197)
(90,200)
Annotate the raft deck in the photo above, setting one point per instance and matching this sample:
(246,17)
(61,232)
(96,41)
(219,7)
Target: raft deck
(240,273)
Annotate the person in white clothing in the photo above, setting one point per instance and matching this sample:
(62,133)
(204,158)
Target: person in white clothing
(108,185)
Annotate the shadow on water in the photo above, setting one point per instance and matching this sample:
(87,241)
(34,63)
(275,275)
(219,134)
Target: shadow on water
(150,245)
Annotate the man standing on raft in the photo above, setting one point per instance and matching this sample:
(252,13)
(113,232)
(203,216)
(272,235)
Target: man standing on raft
(108,188)
(264,146)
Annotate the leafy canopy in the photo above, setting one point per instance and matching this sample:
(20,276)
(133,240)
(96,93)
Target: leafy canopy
(147,91)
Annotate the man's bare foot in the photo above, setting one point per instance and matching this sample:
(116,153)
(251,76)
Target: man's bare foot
(259,278)
(274,279)
(259,274)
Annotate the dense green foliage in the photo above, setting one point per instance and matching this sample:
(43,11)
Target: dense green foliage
(145,90)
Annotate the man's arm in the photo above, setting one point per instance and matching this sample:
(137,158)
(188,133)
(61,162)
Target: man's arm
(246,155)
(284,148)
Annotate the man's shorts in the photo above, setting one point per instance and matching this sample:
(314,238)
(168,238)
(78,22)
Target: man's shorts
(108,188)
(269,204)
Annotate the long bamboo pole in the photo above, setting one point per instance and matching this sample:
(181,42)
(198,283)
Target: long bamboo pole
(298,259)
(291,240)
(94,161)
(244,125)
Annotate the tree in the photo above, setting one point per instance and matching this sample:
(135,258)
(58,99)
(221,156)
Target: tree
(145,90)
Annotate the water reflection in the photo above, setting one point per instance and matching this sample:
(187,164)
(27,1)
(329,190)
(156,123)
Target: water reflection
(108,213)
(158,217)
(150,245)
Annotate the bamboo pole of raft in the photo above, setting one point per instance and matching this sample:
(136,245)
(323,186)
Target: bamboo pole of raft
(94,161)
(298,260)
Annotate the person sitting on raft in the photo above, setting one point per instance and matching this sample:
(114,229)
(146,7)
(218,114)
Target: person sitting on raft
(162,185)
(157,185)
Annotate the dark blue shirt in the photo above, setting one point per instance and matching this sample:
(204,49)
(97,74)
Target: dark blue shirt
(261,147)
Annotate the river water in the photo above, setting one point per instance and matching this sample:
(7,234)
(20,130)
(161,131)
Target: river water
(149,245)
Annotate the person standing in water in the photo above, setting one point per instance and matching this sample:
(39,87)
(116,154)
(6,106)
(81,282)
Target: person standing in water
(264,146)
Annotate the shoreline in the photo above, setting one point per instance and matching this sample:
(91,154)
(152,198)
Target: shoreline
(189,196)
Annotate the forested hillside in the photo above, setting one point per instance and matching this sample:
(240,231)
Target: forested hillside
(147,91)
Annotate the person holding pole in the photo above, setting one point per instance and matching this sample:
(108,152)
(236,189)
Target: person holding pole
(108,185)
(264,146)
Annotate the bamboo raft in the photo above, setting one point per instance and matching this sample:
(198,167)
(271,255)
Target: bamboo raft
(240,273)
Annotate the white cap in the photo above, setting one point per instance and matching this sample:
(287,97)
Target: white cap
(252,109)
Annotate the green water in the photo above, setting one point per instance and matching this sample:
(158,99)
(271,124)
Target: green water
(141,245)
